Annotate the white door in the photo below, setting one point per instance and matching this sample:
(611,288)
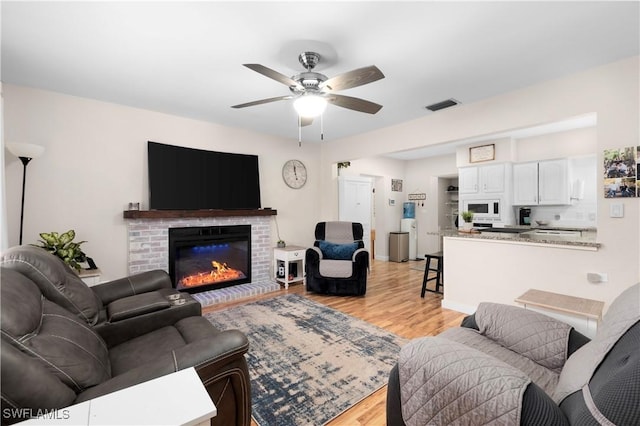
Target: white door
(354,203)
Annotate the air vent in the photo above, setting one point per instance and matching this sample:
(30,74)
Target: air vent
(442,105)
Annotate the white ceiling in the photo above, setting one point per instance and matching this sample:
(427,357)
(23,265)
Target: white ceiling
(185,58)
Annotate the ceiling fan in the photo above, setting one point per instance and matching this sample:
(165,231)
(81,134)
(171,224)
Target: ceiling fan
(312,91)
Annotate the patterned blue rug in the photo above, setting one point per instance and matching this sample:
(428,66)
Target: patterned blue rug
(308,363)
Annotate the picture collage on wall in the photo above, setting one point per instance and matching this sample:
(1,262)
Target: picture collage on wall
(621,172)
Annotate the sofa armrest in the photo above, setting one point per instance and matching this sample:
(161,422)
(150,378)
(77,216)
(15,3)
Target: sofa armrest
(536,336)
(129,286)
(214,351)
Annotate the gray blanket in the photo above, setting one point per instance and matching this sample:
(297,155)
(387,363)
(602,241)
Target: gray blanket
(446,382)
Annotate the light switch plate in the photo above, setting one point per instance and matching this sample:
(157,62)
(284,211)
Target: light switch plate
(616,210)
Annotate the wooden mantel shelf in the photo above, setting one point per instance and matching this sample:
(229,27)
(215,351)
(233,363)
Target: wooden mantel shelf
(176,214)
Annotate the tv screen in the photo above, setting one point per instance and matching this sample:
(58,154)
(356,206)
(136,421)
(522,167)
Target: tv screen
(194,179)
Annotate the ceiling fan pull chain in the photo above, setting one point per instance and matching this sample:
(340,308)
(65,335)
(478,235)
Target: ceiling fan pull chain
(299,131)
(321,127)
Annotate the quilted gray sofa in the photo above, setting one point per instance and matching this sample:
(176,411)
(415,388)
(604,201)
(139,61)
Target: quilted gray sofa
(64,343)
(508,365)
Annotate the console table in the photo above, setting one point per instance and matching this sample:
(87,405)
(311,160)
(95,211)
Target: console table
(583,314)
(175,399)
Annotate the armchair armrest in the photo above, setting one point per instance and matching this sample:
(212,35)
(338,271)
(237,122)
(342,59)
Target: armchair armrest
(536,336)
(132,285)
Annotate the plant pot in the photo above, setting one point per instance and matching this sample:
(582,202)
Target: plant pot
(282,244)
(467,226)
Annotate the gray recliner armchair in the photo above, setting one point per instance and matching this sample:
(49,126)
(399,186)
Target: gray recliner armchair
(337,263)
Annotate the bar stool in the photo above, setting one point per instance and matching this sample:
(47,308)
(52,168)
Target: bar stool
(438,270)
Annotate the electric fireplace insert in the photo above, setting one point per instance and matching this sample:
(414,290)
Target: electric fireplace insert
(209,257)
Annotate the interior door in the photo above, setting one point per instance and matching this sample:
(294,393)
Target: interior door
(354,203)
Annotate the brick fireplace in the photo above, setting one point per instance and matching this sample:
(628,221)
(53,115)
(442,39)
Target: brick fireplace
(148,238)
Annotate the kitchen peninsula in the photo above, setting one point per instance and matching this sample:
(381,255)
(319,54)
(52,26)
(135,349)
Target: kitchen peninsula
(500,266)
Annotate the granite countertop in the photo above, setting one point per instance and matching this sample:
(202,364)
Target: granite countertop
(587,237)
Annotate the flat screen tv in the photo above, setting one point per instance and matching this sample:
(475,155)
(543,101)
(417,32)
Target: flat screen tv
(183,178)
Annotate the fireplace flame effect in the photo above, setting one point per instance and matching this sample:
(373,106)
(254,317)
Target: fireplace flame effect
(220,272)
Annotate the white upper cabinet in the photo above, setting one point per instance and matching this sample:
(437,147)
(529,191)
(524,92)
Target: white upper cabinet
(553,182)
(482,179)
(468,180)
(541,183)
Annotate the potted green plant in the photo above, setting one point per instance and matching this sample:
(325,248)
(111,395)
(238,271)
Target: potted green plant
(467,217)
(63,246)
(281,244)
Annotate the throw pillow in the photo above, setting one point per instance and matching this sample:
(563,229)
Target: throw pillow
(337,251)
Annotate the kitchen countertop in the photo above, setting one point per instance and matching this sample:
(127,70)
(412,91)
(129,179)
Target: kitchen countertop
(587,238)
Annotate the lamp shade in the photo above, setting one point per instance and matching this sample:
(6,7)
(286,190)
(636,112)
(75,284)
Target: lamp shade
(310,105)
(27,150)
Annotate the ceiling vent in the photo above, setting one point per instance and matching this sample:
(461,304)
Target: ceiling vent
(442,105)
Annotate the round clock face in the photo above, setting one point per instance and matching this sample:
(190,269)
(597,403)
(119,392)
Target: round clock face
(294,174)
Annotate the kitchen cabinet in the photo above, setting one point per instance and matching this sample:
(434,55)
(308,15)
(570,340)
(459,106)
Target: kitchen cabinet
(482,179)
(541,183)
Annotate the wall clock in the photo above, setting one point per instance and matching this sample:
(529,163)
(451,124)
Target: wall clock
(294,173)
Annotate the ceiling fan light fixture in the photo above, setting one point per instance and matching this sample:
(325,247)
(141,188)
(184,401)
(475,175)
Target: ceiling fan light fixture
(310,105)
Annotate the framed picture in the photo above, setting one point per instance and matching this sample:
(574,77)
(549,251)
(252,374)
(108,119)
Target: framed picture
(482,153)
(396,185)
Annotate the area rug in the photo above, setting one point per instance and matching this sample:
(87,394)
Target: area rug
(308,363)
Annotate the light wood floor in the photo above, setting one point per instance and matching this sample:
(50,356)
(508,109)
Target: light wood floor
(392,302)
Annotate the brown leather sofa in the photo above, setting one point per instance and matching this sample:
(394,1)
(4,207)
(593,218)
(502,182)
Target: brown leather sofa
(64,342)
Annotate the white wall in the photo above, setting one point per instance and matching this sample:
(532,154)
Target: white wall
(611,92)
(95,163)
(386,217)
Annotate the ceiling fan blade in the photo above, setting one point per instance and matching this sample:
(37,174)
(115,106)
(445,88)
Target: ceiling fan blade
(353,78)
(306,121)
(262,101)
(356,104)
(275,75)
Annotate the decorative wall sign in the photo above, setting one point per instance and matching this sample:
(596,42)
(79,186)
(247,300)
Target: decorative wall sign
(482,153)
(621,177)
(417,196)
(396,185)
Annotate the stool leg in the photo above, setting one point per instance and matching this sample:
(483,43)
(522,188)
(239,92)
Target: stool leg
(440,276)
(424,279)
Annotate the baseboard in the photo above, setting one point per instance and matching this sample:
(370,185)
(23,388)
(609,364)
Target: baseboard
(460,307)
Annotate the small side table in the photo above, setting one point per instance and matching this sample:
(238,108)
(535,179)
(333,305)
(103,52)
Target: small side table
(90,276)
(178,398)
(291,260)
(583,314)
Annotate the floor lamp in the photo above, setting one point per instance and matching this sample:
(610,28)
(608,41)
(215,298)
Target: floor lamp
(25,152)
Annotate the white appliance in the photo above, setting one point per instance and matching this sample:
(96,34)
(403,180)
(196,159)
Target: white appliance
(484,210)
(410,226)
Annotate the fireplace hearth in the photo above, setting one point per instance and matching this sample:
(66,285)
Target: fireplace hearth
(209,257)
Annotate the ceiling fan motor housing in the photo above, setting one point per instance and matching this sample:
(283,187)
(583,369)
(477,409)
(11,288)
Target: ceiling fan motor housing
(309,60)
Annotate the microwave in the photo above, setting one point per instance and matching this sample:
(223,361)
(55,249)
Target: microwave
(484,210)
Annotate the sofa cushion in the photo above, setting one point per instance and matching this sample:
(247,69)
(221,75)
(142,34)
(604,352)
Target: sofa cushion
(537,336)
(55,279)
(623,313)
(335,268)
(61,342)
(542,376)
(337,251)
